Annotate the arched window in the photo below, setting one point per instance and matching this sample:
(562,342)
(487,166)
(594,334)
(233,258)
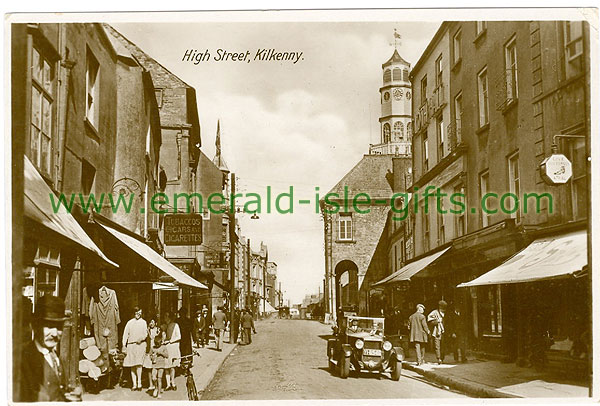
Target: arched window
(409,130)
(397,74)
(387,76)
(405,75)
(398,131)
(386,132)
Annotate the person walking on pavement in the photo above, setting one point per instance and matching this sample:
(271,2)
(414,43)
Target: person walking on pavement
(219,325)
(436,320)
(42,376)
(153,332)
(173,337)
(207,324)
(198,330)
(419,331)
(185,328)
(248,327)
(134,344)
(456,333)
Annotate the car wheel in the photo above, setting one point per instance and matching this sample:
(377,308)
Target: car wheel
(344,367)
(396,371)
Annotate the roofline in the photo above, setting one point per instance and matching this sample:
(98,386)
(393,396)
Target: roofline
(445,26)
(148,55)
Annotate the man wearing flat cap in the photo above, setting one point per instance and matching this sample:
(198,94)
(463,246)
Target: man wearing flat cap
(419,332)
(42,376)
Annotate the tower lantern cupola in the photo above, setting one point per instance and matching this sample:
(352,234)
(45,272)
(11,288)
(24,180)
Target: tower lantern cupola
(396,106)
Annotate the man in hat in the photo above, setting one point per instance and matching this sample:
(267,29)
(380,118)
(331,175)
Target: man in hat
(419,331)
(436,320)
(42,376)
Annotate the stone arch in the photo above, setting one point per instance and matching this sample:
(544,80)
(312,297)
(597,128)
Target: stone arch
(346,283)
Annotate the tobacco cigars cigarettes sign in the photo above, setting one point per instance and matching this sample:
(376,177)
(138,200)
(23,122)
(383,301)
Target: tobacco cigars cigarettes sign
(183,229)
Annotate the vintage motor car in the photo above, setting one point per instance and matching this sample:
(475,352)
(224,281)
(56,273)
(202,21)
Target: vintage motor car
(360,345)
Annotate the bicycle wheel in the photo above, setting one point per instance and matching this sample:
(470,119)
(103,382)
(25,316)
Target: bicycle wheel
(191,388)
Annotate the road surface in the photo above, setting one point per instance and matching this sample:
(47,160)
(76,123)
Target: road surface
(288,360)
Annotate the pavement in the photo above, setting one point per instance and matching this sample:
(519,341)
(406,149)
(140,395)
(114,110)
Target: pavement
(288,360)
(495,379)
(206,364)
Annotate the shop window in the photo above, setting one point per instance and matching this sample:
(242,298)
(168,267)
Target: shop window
(491,310)
(43,84)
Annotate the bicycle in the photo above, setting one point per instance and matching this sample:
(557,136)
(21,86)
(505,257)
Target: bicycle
(190,384)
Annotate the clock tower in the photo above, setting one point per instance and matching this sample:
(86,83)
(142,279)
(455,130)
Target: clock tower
(396,108)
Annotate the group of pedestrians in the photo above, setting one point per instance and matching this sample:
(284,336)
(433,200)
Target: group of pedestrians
(445,329)
(155,347)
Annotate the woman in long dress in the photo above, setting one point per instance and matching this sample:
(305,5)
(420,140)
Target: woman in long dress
(173,337)
(134,344)
(153,331)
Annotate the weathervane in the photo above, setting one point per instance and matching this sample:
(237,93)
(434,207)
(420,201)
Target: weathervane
(397,40)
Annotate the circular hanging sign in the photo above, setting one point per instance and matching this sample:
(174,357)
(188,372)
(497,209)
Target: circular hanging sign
(556,169)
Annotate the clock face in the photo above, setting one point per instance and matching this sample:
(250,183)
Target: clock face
(398,94)
(408,96)
(386,96)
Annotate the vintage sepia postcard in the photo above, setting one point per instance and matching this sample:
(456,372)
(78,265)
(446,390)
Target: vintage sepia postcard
(302,205)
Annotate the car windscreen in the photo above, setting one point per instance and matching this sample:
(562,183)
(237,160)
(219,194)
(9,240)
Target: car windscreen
(363,324)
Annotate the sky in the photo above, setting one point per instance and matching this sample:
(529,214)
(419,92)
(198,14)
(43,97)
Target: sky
(282,124)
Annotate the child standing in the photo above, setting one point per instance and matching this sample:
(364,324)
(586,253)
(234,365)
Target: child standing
(159,356)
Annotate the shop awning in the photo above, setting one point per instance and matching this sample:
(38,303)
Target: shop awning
(409,270)
(545,258)
(269,308)
(154,258)
(39,208)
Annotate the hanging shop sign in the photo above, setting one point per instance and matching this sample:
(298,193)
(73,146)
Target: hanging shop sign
(183,229)
(556,169)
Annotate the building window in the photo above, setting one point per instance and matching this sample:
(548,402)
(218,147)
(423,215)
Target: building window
(492,310)
(424,90)
(441,137)
(458,112)
(387,76)
(425,222)
(482,85)
(484,187)
(441,223)
(481,27)
(88,177)
(92,90)
(460,225)
(345,227)
(409,130)
(578,182)
(514,185)
(386,133)
(573,43)
(439,68)
(397,74)
(510,57)
(425,154)
(398,131)
(457,46)
(405,75)
(42,106)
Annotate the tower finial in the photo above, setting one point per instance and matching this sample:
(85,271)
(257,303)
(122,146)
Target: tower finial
(397,39)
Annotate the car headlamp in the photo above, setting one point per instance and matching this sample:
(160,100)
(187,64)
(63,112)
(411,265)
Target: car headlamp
(359,344)
(387,346)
